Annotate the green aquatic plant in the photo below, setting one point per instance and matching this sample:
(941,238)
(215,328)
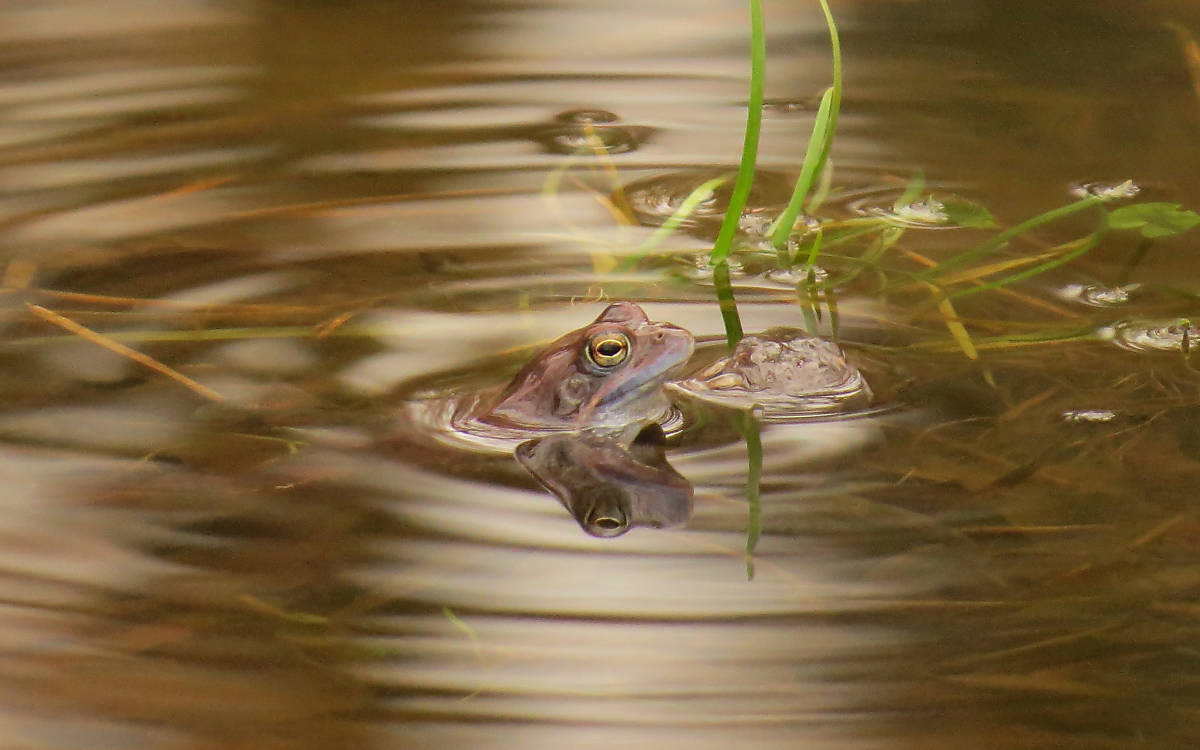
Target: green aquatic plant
(869,243)
(745,178)
(816,156)
(745,173)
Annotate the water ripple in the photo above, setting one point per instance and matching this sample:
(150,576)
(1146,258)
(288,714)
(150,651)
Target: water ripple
(654,199)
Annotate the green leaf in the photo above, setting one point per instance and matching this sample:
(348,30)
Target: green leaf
(1154,219)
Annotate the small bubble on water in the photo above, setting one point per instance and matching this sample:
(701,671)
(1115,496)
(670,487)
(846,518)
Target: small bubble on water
(790,278)
(929,213)
(1088,416)
(1098,295)
(756,223)
(699,269)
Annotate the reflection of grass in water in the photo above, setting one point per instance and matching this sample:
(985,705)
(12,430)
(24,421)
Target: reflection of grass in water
(749,426)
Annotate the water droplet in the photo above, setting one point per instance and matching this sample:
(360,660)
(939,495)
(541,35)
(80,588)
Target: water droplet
(1106,191)
(1140,336)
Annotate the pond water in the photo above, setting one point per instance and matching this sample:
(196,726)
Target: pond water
(321,220)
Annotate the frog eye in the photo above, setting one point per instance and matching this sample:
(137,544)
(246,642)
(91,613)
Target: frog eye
(608,350)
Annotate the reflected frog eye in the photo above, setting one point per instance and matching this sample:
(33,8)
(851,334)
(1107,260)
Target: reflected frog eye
(607,522)
(608,350)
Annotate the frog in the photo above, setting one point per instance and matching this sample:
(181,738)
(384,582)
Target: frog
(609,373)
(589,406)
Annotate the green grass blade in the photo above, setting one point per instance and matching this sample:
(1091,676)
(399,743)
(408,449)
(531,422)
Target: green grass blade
(824,187)
(815,250)
(912,192)
(1083,245)
(835,45)
(831,303)
(820,142)
(808,172)
(745,175)
(954,324)
(703,192)
(1000,240)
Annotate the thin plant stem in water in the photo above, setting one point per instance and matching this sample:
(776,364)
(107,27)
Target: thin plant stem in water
(745,174)
(117,348)
(729,313)
(686,208)
(820,141)
(1001,239)
(749,423)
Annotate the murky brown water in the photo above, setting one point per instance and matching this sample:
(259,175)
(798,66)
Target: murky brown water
(323,213)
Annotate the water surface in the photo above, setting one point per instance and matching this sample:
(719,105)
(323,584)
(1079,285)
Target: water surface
(325,213)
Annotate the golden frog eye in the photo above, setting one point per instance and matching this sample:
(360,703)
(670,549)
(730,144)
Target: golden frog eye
(608,350)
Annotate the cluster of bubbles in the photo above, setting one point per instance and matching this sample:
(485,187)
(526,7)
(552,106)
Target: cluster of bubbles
(1106,191)
(928,213)
(1099,295)
(790,278)
(1088,416)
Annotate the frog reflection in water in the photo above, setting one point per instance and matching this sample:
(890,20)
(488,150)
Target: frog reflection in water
(610,481)
(601,388)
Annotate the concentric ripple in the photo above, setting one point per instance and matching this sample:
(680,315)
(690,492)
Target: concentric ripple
(655,199)
(591,131)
